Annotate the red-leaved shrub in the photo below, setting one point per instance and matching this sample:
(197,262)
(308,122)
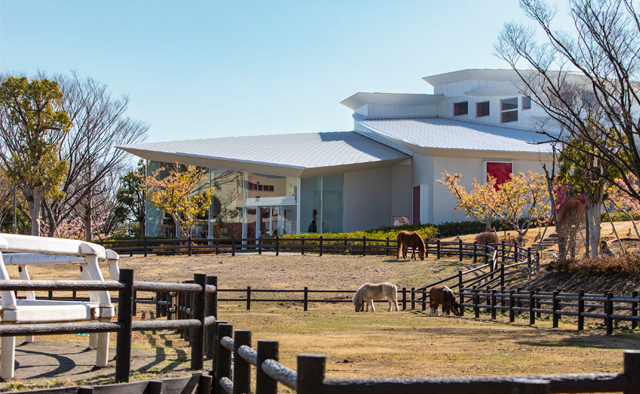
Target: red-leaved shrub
(487,237)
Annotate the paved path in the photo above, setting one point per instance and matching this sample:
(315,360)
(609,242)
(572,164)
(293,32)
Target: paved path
(66,360)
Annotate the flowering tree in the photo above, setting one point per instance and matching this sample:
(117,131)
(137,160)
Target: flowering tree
(623,202)
(174,194)
(522,196)
(468,202)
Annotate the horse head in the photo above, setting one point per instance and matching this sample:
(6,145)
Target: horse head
(359,306)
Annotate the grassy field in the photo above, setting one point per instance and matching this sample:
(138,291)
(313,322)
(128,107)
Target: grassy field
(359,345)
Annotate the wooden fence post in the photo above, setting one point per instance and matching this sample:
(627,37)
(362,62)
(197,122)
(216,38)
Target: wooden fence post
(426,249)
(233,246)
(364,246)
(155,387)
(538,304)
(413,298)
(604,308)
(302,246)
(223,358)
(311,369)
(532,303)
(125,317)
(632,369)
(215,345)
(502,275)
(461,292)
(387,250)
(438,249)
(529,262)
(217,246)
(486,253)
(248,298)
(609,311)
(424,299)
(475,253)
(460,281)
(555,304)
(502,251)
(460,250)
(241,368)
(189,245)
(260,246)
(145,246)
(212,310)
(404,298)
(305,298)
(580,310)
(476,301)
(197,342)
(634,310)
(320,248)
(493,304)
(264,383)
(512,316)
(277,245)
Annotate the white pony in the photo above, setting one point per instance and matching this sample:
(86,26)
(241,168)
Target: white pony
(369,292)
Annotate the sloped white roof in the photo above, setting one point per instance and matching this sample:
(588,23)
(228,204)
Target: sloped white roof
(298,155)
(441,133)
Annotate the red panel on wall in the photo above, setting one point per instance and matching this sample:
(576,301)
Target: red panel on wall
(416,204)
(500,171)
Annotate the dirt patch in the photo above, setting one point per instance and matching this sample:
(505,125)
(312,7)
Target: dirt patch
(621,284)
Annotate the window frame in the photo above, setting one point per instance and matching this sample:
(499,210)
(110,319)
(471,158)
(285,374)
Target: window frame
(487,161)
(503,112)
(478,104)
(455,107)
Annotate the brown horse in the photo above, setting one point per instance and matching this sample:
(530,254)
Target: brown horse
(413,241)
(442,295)
(403,238)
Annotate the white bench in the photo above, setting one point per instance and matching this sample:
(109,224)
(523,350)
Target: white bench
(25,250)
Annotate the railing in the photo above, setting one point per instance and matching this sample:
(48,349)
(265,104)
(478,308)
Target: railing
(309,378)
(501,252)
(203,313)
(557,304)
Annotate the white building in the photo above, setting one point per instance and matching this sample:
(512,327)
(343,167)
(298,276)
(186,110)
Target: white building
(383,172)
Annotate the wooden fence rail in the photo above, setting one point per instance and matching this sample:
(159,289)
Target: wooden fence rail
(309,378)
(557,304)
(503,252)
(203,313)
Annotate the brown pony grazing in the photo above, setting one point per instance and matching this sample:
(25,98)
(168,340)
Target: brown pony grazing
(403,239)
(443,295)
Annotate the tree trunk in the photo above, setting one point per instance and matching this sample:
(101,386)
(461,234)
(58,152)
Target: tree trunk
(35,201)
(88,224)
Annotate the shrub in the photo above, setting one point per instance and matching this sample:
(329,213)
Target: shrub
(600,265)
(487,237)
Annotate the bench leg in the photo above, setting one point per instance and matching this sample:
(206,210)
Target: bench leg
(93,340)
(8,357)
(29,338)
(102,356)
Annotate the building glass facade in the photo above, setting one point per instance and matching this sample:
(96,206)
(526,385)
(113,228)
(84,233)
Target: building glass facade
(248,205)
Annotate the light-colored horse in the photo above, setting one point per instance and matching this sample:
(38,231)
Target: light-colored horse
(368,292)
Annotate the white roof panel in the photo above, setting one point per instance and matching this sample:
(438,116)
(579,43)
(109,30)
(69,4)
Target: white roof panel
(440,133)
(296,152)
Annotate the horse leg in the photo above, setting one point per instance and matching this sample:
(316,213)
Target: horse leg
(400,249)
(373,308)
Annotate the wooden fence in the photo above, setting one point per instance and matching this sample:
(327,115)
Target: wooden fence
(310,375)
(610,308)
(501,252)
(202,313)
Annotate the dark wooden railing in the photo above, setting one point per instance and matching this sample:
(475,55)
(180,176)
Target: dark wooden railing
(202,313)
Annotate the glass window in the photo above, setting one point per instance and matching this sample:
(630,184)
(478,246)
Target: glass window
(500,171)
(482,109)
(509,108)
(526,102)
(460,108)
(332,204)
(310,204)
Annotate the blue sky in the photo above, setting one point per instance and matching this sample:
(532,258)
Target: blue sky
(202,69)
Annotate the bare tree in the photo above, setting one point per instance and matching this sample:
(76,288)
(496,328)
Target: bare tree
(99,125)
(585,82)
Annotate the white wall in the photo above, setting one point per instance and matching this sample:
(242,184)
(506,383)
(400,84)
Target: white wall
(367,199)
(401,182)
(395,111)
(470,168)
(423,175)
(455,93)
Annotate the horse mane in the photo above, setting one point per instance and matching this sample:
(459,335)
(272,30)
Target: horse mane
(358,296)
